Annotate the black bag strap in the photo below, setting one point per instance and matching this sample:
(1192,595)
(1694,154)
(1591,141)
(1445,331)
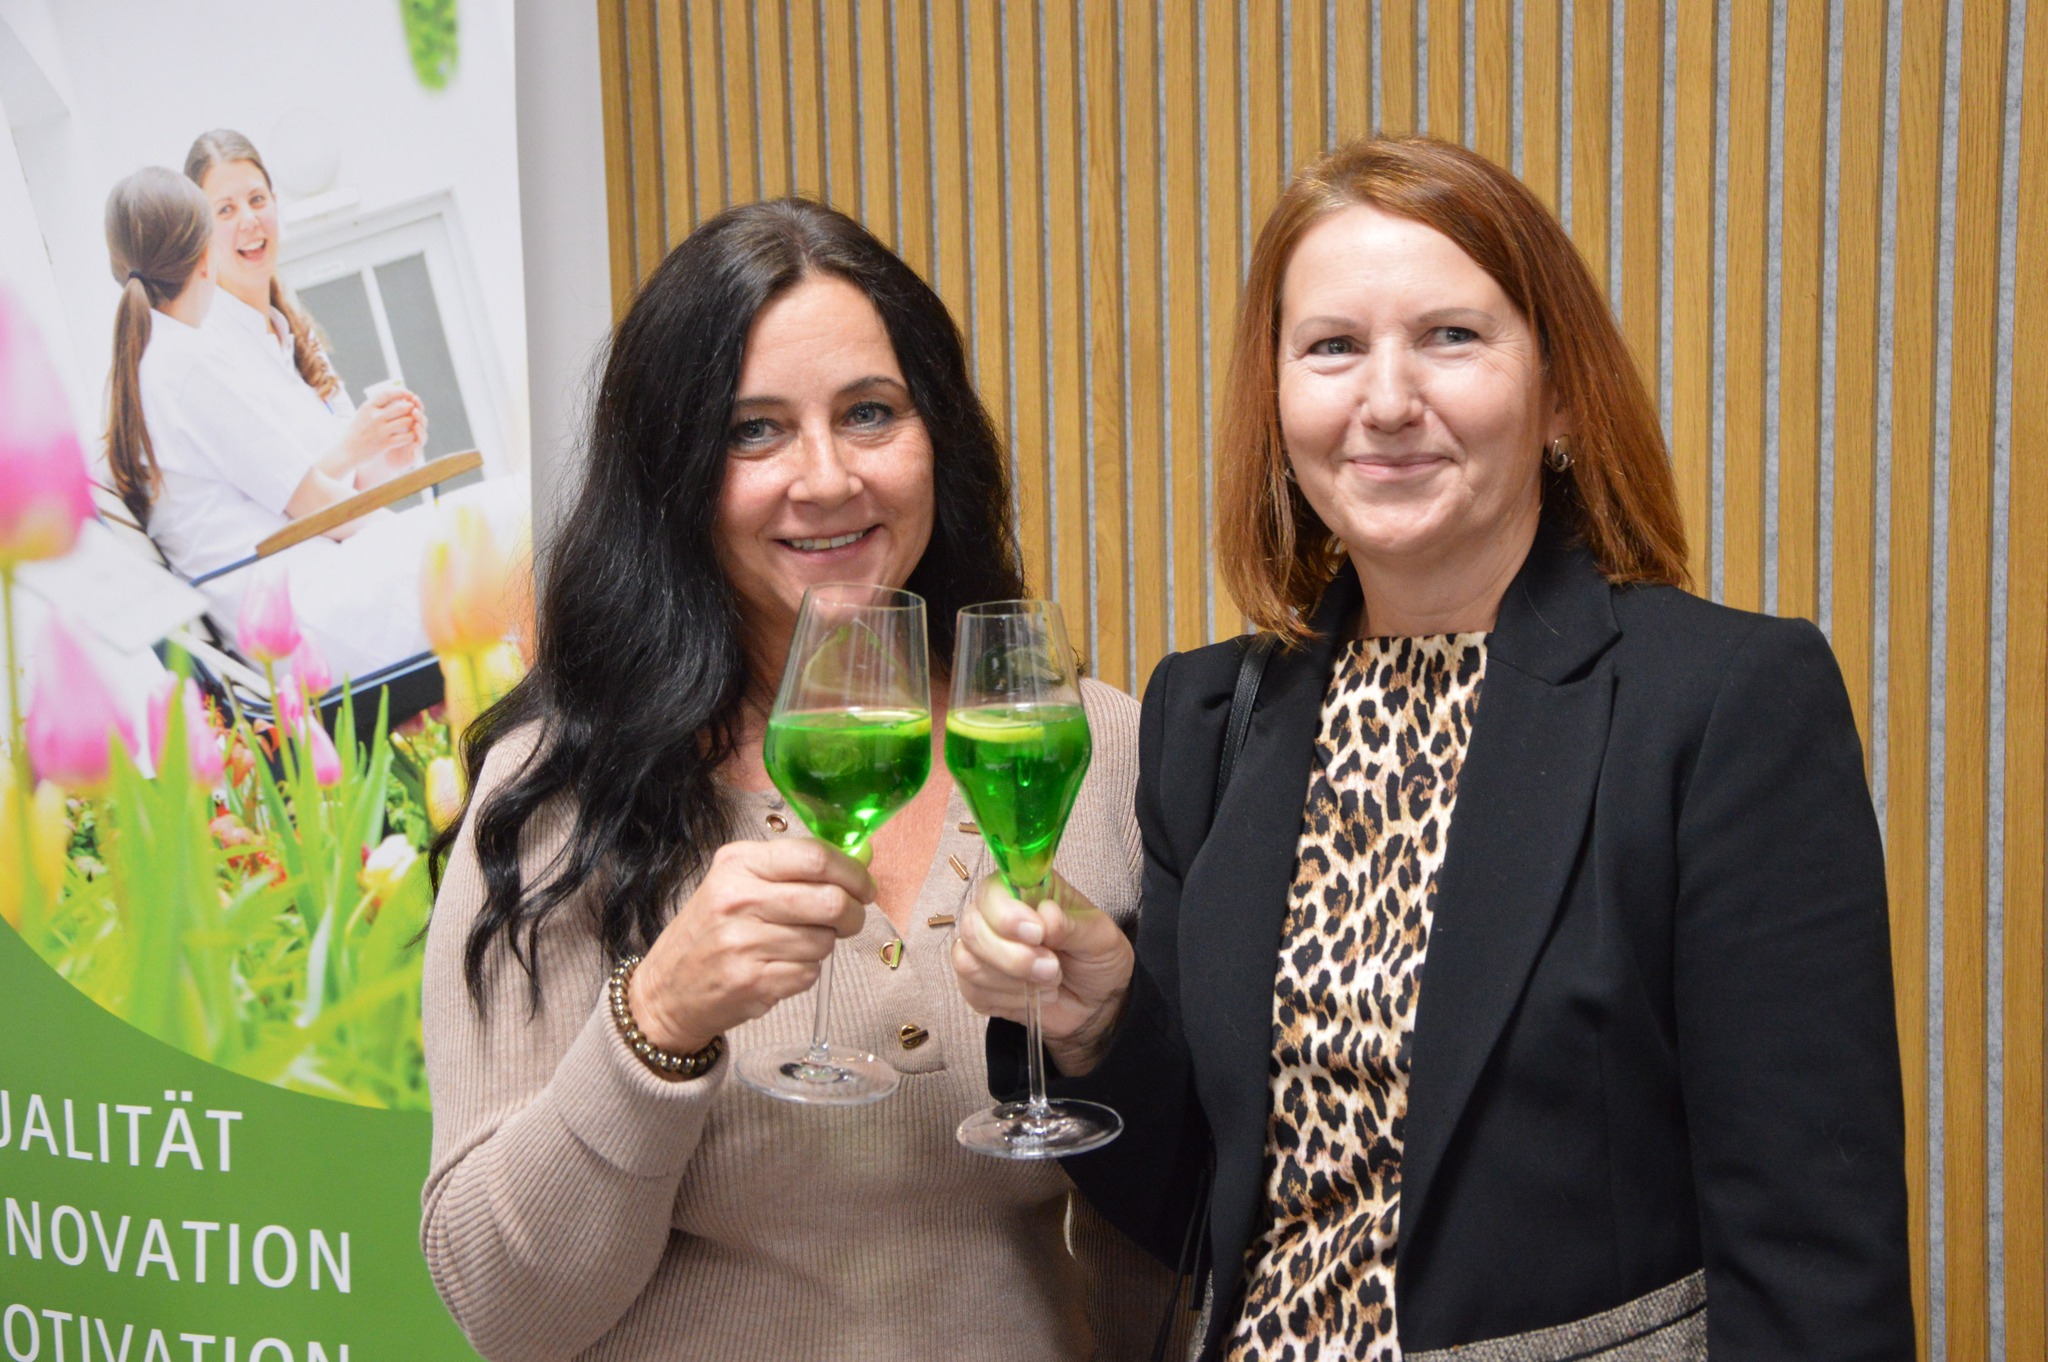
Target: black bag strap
(1250,672)
(1194,1244)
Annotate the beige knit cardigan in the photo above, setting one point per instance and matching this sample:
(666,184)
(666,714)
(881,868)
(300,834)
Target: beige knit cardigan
(579,1205)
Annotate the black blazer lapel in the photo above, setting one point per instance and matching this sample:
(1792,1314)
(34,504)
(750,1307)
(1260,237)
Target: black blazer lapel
(1525,793)
(1233,906)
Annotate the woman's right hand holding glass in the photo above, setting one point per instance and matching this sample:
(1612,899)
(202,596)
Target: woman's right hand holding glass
(1067,948)
(754,932)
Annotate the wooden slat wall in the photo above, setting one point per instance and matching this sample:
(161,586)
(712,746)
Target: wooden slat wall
(2024,1118)
(1082,179)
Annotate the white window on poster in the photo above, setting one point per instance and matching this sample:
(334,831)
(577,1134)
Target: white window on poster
(394,299)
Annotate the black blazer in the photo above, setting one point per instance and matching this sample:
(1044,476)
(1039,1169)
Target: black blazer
(1655,1029)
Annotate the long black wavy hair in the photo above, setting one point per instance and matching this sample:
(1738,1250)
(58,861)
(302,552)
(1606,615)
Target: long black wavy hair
(640,674)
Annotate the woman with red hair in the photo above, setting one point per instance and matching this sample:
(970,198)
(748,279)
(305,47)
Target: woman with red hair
(1513,968)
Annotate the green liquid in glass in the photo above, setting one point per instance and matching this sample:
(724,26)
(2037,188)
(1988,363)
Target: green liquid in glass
(846,771)
(1020,767)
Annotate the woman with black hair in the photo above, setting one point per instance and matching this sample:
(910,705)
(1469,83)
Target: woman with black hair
(786,403)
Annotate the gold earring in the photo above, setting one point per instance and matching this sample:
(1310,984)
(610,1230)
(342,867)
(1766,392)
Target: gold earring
(1558,455)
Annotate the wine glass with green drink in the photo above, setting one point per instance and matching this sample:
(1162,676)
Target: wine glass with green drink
(849,742)
(1017,744)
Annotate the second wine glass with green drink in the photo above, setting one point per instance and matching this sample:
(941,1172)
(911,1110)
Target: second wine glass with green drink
(1017,743)
(848,743)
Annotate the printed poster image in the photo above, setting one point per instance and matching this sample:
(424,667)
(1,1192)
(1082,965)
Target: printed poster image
(265,551)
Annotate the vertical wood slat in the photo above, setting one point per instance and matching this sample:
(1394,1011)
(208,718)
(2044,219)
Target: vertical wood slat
(643,81)
(707,155)
(1447,70)
(2025,1030)
(1220,98)
(771,81)
(806,101)
(1353,62)
(842,107)
(873,95)
(1915,265)
(1027,295)
(1692,285)
(736,52)
(1542,109)
(1973,394)
(1106,529)
(618,156)
(678,168)
(1184,343)
(1397,68)
(912,147)
(1307,68)
(985,82)
(1859,216)
(1493,80)
(1592,134)
(2026,812)
(1802,220)
(1067,448)
(1265,147)
(1642,186)
(949,162)
(1146,342)
(1746,270)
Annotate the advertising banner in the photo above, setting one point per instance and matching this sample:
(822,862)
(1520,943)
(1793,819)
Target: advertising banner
(160,1207)
(265,550)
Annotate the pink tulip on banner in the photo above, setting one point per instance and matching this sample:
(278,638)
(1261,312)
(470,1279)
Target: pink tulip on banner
(266,630)
(310,669)
(326,761)
(44,493)
(158,715)
(291,705)
(202,743)
(73,719)
(202,739)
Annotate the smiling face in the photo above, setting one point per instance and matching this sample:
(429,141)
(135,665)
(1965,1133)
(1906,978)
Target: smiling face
(828,466)
(244,230)
(1414,411)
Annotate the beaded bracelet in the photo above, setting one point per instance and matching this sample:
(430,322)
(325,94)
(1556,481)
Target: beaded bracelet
(693,1065)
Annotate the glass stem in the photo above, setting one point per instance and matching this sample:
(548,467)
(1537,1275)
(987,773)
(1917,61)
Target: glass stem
(821,1049)
(1034,1051)
(1034,1041)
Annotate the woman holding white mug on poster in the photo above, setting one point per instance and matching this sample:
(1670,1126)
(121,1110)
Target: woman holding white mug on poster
(256,320)
(210,462)
(785,404)
(161,248)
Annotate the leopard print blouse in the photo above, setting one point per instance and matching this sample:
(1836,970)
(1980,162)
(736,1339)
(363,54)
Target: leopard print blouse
(1395,723)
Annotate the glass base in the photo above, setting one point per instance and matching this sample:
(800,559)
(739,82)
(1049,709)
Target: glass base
(1015,1130)
(840,1077)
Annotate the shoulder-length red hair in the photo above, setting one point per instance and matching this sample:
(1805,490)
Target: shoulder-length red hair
(1276,553)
